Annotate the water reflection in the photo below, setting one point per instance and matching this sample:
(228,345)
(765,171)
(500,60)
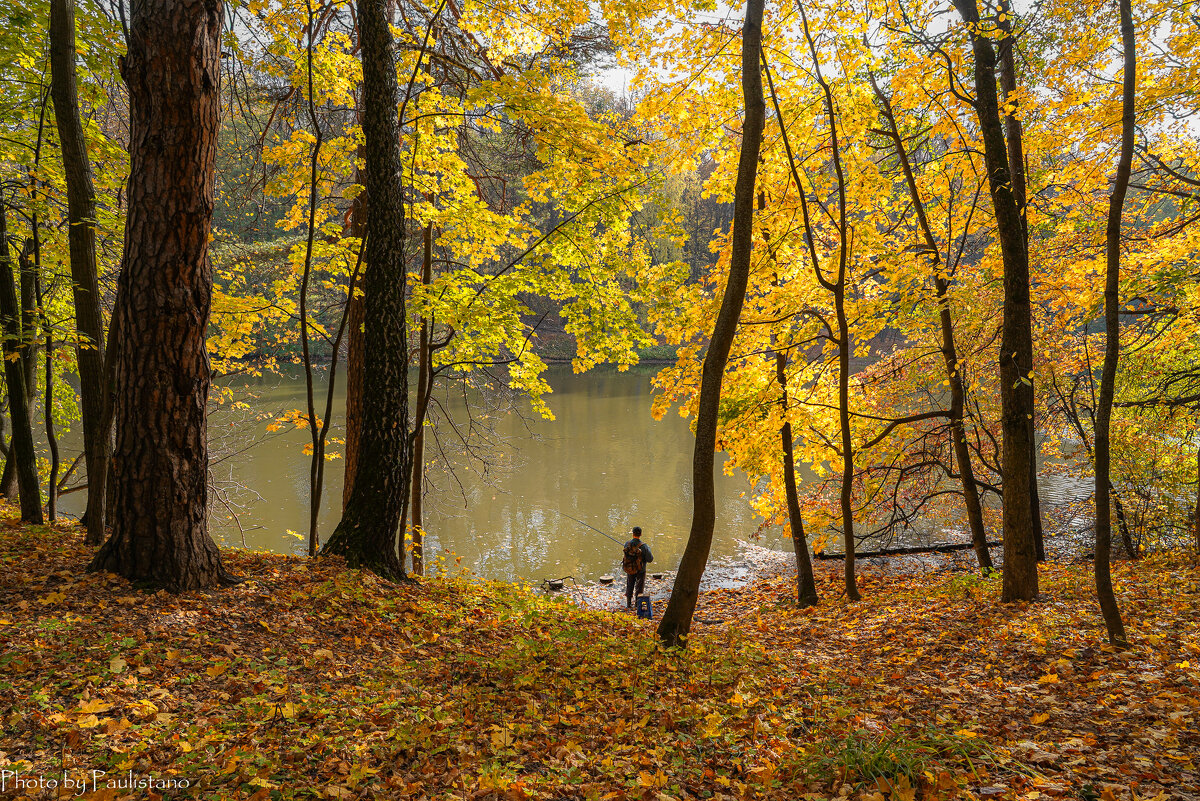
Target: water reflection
(604,460)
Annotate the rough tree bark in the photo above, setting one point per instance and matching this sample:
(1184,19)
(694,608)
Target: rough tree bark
(161,368)
(677,618)
(81,216)
(21,453)
(366,535)
(1020,578)
(1112,338)
(356,225)
(354,348)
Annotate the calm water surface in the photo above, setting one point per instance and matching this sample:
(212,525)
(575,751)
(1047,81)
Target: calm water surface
(603,460)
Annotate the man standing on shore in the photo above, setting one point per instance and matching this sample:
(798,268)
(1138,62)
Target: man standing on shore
(636,556)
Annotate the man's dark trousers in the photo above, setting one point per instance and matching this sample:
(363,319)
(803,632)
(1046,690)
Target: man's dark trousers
(631,579)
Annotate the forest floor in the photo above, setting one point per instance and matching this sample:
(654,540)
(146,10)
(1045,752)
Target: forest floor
(308,680)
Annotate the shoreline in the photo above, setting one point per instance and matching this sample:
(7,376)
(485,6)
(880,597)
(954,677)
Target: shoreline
(766,566)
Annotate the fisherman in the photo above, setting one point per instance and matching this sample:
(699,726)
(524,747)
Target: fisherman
(636,555)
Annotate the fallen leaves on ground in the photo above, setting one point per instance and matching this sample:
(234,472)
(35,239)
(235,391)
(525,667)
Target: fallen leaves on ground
(312,681)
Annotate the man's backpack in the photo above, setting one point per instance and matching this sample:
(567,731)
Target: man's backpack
(633,562)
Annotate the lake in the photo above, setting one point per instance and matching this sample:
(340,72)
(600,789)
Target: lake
(603,460)
(504,506)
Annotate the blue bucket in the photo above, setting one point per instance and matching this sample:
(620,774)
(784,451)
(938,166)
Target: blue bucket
(645,608)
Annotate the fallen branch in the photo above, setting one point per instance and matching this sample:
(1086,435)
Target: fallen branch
(958,546)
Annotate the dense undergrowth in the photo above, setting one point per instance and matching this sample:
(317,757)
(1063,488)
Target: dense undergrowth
(308,680)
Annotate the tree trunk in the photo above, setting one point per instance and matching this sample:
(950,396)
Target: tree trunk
(677,618)
(847,489)
(21,453)
(161,370)
(29,319)
(366,535)
(316,429)
(48,398)
(1196,511)
(1127,543)
(958,434)
(8,476)
(1112,340)
(81,216)
(1020,579)
(806,585)
(424,378)
(1014,136)
(354,348)
(838,289)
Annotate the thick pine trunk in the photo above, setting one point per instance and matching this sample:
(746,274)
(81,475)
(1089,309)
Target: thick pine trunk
(806,586)
(21,454)
(1020,579)
(366,535)
(161,368)
(81,215)
(677,618)
(1112,339)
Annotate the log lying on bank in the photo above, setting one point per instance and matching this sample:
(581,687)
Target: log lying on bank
(958,546)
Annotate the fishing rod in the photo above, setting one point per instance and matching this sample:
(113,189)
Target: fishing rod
(593,528)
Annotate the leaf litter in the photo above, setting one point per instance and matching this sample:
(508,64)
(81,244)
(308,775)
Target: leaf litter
(309,680)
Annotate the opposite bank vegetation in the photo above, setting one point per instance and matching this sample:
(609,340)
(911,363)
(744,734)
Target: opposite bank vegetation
(308,680)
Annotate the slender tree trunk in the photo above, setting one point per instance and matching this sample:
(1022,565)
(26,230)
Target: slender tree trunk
(847,488)
(1196,511)
(48,393)
(315,429)
(1127,543)
(21,453)
(81,216)
(161,368)
(1014,136)
(958,434)
(1112,339)
(48,410)
(29,319)
(366,535)
(424,377)
(8,476)
(837,289)
(1020,579)
(806,585)
(677,618)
